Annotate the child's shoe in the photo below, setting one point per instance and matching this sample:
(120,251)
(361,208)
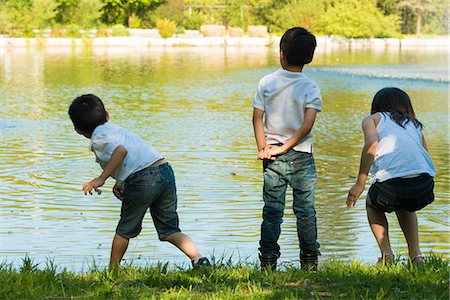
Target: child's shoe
(308,260)
(417,260)
(268,261)
(200,262)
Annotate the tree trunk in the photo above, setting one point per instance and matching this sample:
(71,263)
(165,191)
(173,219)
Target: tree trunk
(419,22)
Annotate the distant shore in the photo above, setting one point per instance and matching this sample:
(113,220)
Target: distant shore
(223,41)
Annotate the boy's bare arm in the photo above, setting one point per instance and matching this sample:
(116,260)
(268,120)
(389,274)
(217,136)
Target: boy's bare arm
(115,161)
(367,157)
(258,129)
(308,123)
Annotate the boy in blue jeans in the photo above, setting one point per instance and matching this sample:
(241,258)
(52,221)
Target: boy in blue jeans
(284,111)
(144,180)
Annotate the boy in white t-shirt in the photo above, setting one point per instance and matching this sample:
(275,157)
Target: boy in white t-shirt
(284,111)
(144,180)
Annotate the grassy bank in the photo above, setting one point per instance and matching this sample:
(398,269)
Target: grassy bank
(334,280)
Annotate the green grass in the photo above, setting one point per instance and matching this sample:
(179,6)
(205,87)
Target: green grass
(334,280)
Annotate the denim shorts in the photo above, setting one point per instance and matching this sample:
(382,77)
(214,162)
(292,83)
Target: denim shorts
(151,188)
(411,194)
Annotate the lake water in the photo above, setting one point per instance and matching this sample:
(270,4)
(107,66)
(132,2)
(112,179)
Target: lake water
(194,106)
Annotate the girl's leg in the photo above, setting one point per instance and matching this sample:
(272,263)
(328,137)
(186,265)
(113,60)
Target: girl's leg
(408,223)
(379,225)
(119,246)
(184,243)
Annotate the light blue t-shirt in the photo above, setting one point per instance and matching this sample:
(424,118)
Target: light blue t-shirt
(284,96)
(107,137)
(400,151)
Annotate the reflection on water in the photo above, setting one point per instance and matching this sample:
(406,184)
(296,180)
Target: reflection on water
(194,105)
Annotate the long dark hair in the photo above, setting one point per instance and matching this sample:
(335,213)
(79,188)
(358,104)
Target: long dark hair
(397,103)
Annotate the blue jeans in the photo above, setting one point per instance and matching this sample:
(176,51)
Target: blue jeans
(151,188)
(299,171)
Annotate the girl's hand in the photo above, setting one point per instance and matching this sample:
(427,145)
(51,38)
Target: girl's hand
(354,194)
(117,191)
(93,185)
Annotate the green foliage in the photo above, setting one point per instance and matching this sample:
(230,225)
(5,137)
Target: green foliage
(65,11)
(349,18)
(359,19)
(134,21)
(18,19)
(87,13)
(436,22)
(433,14)
(83,13)
(43,12)
(308,14)
(166,27)
(194,21)
(172,10)
(119,30)
(120,11)
(73,30)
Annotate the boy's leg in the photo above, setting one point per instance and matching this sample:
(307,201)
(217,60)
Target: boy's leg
(183,242)
(303,182)
(274,194)
(379,226)
(165,217)
(119,246)
(408,223)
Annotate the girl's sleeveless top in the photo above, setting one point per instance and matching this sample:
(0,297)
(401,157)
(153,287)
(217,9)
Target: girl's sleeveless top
(400,151)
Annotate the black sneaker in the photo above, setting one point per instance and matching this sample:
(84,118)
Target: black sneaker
(268,261)
(200,263)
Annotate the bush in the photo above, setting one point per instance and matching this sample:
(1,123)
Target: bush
(103,32)
(119,30)
(73,31)
(359,19)
(194,21)
(134,21)
(166,27)
(307,14)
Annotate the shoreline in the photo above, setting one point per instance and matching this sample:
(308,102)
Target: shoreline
(223,41)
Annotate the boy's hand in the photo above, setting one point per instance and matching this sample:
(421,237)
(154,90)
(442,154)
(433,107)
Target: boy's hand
(93,185)
(265,153)
(117,191)
(354,194)
(275,150)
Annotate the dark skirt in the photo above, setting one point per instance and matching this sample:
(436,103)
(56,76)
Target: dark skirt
(411,194)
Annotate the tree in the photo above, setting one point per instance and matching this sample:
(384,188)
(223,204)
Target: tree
(419,7)
(358,19)
(304,13)
(121,11)
(43,12)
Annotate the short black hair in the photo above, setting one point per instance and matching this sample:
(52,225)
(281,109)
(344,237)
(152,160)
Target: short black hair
(298,45)
(396,102)
(87,112)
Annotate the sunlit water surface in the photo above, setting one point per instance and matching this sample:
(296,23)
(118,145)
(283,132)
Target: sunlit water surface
(194,106)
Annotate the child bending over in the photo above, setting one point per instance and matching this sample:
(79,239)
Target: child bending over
(402,171)
(144,179)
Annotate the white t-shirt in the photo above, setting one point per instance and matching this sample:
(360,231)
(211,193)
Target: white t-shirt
(284,97)
(107,137)
(400,151)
